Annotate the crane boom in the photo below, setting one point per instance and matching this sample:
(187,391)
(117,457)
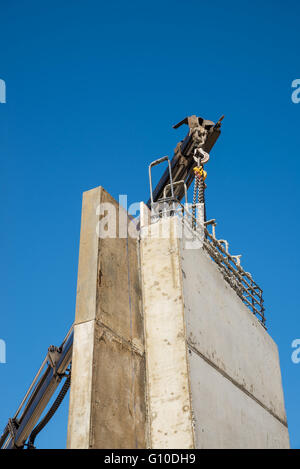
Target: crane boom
(202,134)
(51,373)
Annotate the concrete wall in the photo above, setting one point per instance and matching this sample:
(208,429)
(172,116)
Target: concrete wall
(107,399)
(165,355)
(230,386)
(234,365)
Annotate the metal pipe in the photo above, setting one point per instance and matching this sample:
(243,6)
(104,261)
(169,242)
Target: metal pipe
(30,388)
(175,184)
(155,163)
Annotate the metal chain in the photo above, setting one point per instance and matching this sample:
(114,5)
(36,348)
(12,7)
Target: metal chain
(199,187)
(194,202)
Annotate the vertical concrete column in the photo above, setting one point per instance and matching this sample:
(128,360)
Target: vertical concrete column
(107,399)
(168,387)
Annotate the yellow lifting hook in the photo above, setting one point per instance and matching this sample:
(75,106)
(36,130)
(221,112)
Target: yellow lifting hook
(199,172)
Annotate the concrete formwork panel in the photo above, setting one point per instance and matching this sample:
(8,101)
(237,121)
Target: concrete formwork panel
(79,424)
(231,340)
(107,399)
(118,406)
(226,417)
(168,389)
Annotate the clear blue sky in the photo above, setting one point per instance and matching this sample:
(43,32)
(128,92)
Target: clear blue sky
(93,89)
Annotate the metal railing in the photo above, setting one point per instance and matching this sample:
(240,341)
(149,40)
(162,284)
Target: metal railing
(240,280)
(218,249)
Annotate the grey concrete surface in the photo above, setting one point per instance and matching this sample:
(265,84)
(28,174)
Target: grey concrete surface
(165,355)
(226,336)
(168,388)
(226,417)
(107,399)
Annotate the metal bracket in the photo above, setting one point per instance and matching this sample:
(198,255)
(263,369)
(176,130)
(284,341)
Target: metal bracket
(12,426)
(53,356)
(175,184)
